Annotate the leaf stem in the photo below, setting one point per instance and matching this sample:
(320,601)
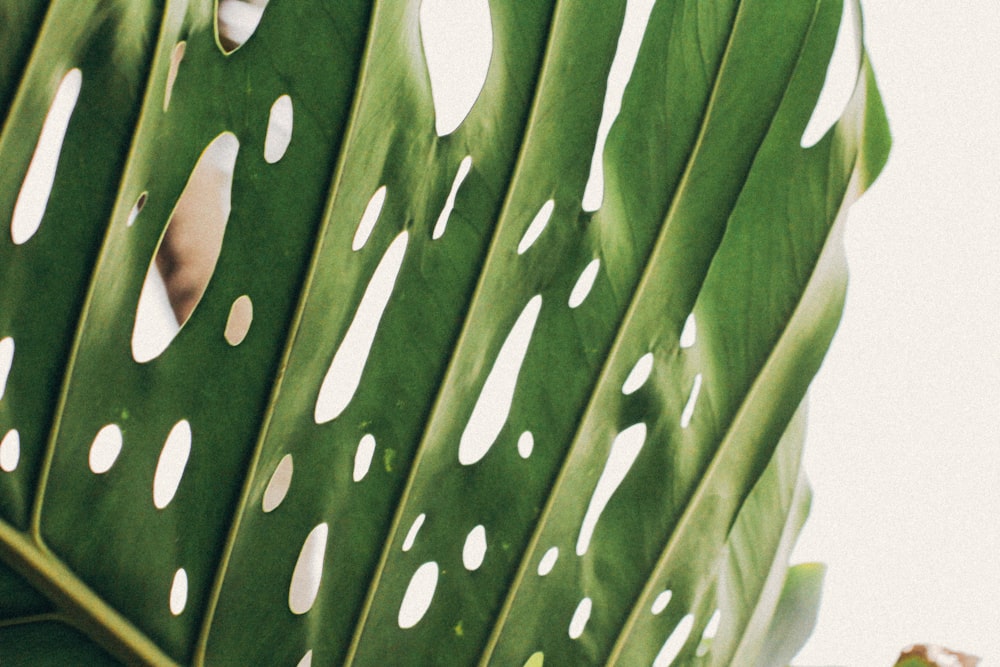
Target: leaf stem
(80,605)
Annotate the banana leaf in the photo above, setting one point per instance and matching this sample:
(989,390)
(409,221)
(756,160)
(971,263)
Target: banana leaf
(445,438)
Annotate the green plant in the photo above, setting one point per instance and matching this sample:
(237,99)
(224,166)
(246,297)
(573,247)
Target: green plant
(712,213)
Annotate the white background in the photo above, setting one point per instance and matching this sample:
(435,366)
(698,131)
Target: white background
(905,414)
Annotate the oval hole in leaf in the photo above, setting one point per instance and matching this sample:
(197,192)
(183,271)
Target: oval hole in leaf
(170,466)
(411,536)
(690,332)
(624,451)
(580,617)
(457,36)
(633,28)
(418,596)
(37,185)
(10,451)
(239,320)
(474,550)
(6,362)
(179,592)
(105,449)
(237,20)
(449,205)
(279,129)
(363,456)
(548,561)
(661,602)
(277,486)
(368,219)
(675,642)
(176,56)
(525,444)
(342,378)
(584,283)
(692,400)
(136,210)
(639,374)
(536,227)
(493,405)
(188,250)
(308,571)
(841,78)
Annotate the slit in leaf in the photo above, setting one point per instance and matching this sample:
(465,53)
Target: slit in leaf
(344,374)
(279,129)
(675,642)
(633,28)
(36,188)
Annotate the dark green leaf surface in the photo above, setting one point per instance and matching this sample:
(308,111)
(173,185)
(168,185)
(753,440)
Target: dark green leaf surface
(711,207)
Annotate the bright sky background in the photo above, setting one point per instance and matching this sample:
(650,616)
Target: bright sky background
(905,416)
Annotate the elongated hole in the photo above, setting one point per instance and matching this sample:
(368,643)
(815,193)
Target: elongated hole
(580,617)
(624,451)
(278,485)
(411,535)
(176,56)
(136,209)
(633,28)
(33,198)
(418,596)
(368,219)
(279,129)
(536,227)
(675,642)
(189,250)
(449,205)
(239,320)
(458,43)
(308,572)
(493,405)
(348,364)
(171,464)
(6,362)
(841,78)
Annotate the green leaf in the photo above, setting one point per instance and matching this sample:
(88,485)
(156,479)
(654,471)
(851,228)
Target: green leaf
(795,617)
(275,542)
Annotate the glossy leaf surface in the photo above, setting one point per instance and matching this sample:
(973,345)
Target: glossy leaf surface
(342,476)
